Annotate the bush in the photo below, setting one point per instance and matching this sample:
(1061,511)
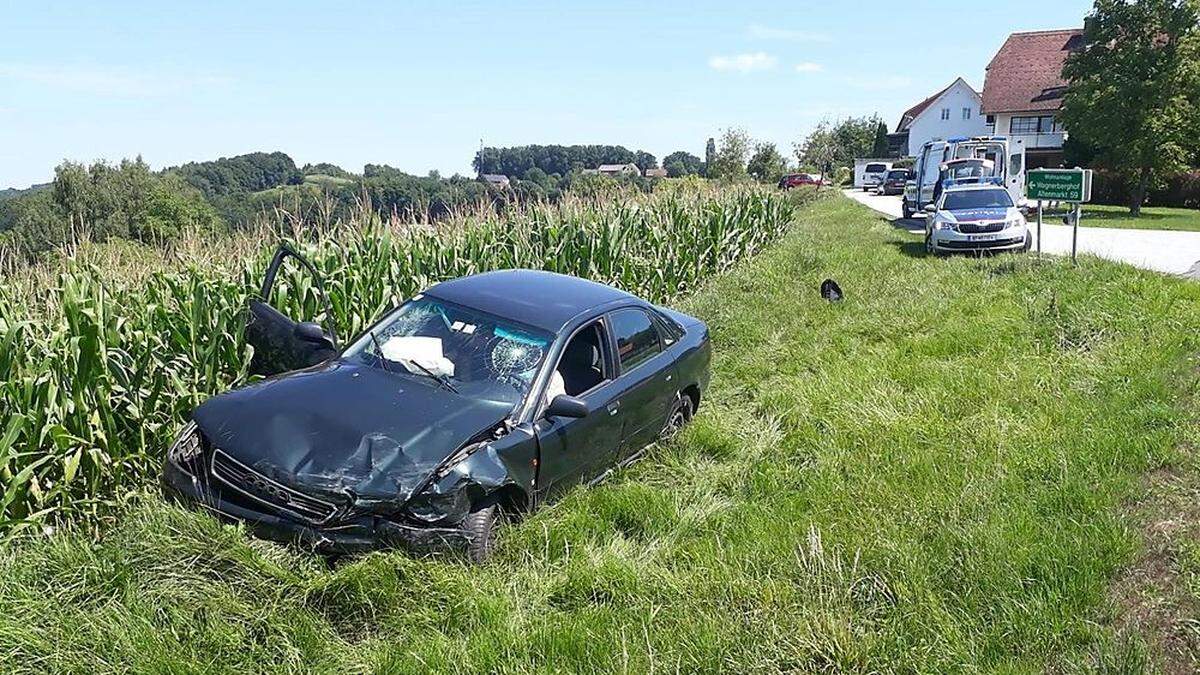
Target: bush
(1181,191)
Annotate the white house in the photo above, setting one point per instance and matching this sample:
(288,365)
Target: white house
(956,110)
(618,169)
(1024,89)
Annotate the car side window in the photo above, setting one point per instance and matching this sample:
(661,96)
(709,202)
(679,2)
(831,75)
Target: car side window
(637,338)
(583,365)
(668,329)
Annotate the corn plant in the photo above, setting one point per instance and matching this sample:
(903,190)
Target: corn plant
(98,369)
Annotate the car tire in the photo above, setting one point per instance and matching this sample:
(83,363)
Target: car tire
(905,210)
(481,527)
(1028,241)
(681,414)
(930,249)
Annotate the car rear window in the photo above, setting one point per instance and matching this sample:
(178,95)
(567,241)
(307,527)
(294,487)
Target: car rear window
(876,168)
(898,174)
(977,199)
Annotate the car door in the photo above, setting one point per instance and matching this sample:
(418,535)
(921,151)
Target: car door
(576,450)
(931,163)
(1015,182)
(646,386)
(281,343)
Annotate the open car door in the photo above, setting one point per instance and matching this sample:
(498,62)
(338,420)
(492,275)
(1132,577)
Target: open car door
(281,343)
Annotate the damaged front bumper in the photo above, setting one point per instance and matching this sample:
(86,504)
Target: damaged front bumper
(355,535)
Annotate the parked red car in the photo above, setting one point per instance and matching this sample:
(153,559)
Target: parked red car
(795,179)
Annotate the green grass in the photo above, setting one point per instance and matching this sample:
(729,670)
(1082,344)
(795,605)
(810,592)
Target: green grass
(929,476)
(1152,218)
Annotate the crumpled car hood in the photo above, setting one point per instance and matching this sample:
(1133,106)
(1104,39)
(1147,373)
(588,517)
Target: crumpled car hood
(345,430)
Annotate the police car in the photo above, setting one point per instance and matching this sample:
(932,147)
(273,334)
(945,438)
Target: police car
(975,217)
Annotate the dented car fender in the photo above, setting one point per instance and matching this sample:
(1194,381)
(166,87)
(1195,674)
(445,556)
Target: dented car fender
(502,469)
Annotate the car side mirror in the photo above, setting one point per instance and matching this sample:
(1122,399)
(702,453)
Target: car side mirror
(567,406)
(930,208)
(311,332)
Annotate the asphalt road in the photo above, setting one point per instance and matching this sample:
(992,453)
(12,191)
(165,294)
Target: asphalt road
(1158,250)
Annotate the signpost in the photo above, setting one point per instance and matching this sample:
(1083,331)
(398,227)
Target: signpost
(1060,185)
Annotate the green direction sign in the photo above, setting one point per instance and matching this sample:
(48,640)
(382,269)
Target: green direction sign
(1059,185)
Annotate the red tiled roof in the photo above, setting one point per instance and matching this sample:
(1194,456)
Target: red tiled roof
(915,111)
(1026,74)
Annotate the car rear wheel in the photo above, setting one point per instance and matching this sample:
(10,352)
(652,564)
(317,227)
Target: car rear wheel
(906,210)
(481,526)
(681,414)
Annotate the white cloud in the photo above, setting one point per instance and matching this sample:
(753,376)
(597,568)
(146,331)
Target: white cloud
(108,81)
(880,83)
(743,63)
(761,32)
(809,67)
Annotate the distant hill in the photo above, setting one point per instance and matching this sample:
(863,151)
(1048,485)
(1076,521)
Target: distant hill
(12,193)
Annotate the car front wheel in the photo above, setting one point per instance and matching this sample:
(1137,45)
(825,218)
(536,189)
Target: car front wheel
(481,527)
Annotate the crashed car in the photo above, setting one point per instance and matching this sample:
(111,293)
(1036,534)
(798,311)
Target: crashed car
(475,401)
(975,218)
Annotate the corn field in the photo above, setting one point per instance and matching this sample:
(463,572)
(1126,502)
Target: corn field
(98,368)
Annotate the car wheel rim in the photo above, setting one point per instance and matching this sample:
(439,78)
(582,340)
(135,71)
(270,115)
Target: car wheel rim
(675,422)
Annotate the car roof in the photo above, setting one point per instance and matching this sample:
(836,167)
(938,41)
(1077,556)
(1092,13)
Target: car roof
(975,187)
(535,298)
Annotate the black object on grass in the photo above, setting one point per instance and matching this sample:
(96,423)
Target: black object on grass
(831,291)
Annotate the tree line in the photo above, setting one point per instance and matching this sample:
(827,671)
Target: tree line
(128,200)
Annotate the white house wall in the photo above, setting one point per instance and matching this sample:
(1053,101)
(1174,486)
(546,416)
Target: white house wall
(930,125)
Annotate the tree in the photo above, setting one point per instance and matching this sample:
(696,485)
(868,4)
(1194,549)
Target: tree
(644,160)
(710,153)
(1134,89)
(766,164)
(556,159)
(729,160)
(881,141)
(819,148)
(680,163)
(839,144)
(243,173)
(325,169)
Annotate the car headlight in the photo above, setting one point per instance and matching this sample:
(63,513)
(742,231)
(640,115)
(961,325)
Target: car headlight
(945,225)
(187,446)
(1015,222)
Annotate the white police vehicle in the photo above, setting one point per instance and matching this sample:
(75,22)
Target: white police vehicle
(975,217)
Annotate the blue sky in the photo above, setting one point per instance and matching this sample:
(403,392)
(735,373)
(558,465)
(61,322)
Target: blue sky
(418,85)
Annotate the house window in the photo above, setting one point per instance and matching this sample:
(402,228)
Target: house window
(945,113)
(966,113)
(1044,124)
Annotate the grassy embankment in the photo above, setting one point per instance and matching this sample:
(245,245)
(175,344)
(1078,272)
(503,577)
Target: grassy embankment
(933,475)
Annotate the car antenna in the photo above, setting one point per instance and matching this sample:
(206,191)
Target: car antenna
(379,348)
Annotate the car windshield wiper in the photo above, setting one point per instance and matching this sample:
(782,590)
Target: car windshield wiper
(379,348)
(440,379)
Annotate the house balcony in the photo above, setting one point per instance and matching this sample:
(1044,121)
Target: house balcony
(1052,141)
